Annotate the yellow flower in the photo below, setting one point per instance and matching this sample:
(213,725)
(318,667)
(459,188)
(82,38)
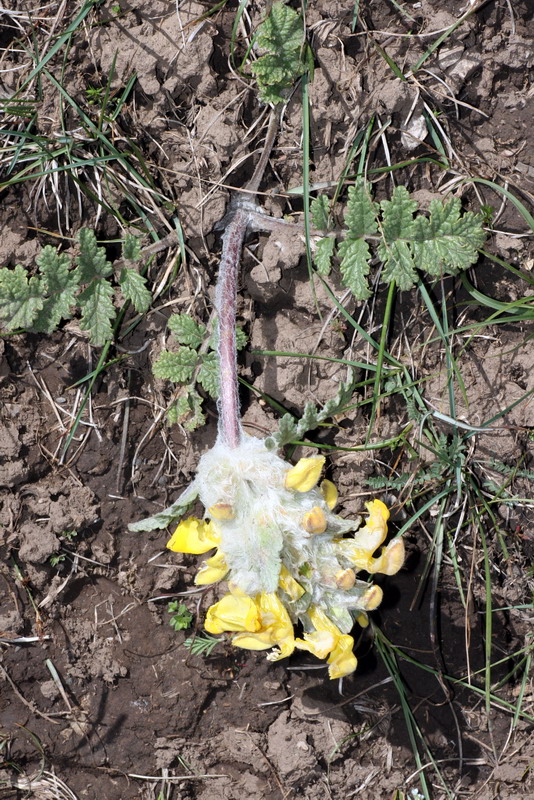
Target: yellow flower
(327,638)
(360,548)
(212,570)
(288,583)
(305,474)
(193,536)
(329,493)
(275,628)
(233,613)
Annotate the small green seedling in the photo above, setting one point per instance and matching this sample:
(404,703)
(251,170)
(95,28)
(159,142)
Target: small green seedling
(39,302)
(202,645)
(181,616)
(193,364)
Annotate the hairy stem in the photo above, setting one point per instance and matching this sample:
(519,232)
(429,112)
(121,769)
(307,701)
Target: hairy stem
(226,300)
(230,430)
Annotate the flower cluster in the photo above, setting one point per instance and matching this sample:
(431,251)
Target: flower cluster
(286,556)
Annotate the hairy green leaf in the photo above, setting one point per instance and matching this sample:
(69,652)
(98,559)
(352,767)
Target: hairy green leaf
(324,250)
(354,266)
(169,516)
(208,374)
(177,366)
(319,210)
(308,421)
(96,303)
(361,213)
(186,331)
(21,298)
(189,411)
(92,260)
(397,215)
(133,287)
(131,247)
(337,403)
(447,241)
(287,432)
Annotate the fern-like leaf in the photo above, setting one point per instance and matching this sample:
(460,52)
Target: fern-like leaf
(208,374)
(92,260)
(60,283)
(319,211)
(281,37)
(399,264)
(186,331)
(397,215)
(177,366)
(131,247)
(133,287)
(21,298)
(324,250)
(361,213)
(354,266)
(98,311)
(447,242)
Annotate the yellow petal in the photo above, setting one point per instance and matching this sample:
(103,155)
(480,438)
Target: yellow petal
(329,493)
(233,613)
(314,521)
(212,570)
(221,511)
(193,536)
(253,641)
(362,619)
(371,536)
(288,583)
(319,643)
(391,559)
(321,622)
(305,474)
(342,660)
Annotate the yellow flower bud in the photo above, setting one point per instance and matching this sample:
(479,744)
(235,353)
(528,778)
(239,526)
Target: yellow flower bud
(288,583)
(329,493)
(305,474)
(345,579)
(314,521)
(221,511)
(372,598)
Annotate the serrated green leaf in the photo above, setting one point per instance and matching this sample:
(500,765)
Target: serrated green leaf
(133,287)
(281,36)
(96,303)
(399,265)
(308,421)
(354,266)
(208,374)
(241,338)
(186,331)
(361,212)
(319,211)
(397,215)
(447,241)
(287,432)
(338,402)
(131,247)
(187,411)
(281,29)
(169,515)
(60,283)
(92,260)
(177,366)
(21,298)
(324,250)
